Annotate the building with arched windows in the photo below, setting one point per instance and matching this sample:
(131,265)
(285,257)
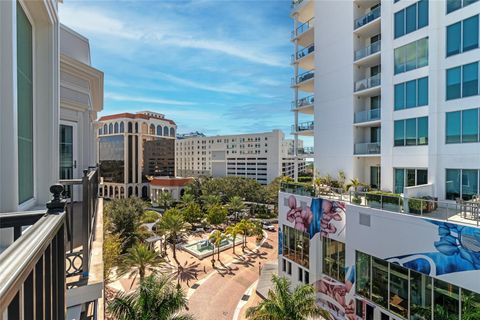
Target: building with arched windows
(142,147)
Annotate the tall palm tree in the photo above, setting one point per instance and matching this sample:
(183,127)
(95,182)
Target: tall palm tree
(156,298)
(233,231)
(138,260)
(165,199)
(173,226)
(284,304)
(187,199)
(236,205)
(211,200)
(217,237)
(245,228)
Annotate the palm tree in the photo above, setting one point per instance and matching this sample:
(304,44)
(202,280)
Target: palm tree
(138,260)
(245,228)
(233,231)
(187,199)
(284,304)
(211,200)
(217,237)
(354,183)
(236,205)
(470,305)
(156,298)
(172,225)
(165,199)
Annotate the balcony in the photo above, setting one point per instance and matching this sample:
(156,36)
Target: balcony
(367,116)
(371,148)
(367,18)
(368,51)
(305,151)
(304,33)
(368,83)
(305,57)
(304,81)
(305,128)
(304,105)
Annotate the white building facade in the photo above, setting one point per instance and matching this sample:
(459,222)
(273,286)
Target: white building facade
(259,156)
(395,91)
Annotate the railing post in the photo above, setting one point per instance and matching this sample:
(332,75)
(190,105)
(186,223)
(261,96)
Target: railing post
(381,201)
(421,207)
(85,224)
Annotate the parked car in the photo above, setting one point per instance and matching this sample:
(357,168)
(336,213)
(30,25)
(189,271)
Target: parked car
(268,226)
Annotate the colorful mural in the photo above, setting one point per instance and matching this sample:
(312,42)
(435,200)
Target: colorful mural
(458,249)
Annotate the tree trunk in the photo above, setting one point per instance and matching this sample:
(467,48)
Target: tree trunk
(233,244)
(174,252)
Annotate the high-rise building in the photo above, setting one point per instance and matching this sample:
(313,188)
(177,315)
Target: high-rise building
(133,147)
(260,156)
(395,103)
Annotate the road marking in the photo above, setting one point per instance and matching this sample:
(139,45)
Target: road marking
(243,302)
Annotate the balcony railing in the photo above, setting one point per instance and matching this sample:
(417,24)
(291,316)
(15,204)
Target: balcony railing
(368,83)
(368,115)
(367,18)
(306,151)
(306,101)
(303,77)
(304,27)
(367,51)
(425,207)
(305,126)
(303,53)
(367,148)
(32,268)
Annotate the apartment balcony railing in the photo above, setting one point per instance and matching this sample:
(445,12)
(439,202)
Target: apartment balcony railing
(306,101)
(32,268)
(367,18)
(368,83)
(425,207)
(304,27)
(303,53)
(369,50)
(305,126)
(303,77)
(366,116)
(367,148)
(306,151)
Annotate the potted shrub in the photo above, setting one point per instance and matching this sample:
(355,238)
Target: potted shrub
(417,206)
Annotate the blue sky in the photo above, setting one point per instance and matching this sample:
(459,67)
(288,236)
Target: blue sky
(218,67)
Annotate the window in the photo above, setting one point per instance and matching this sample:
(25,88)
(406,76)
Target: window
(306,277)
(462,36)
(411,94)
(334,259)
(399,298)
(289,268)
(463,126)
(300,274)
(408,178)
(454,38)
(411,132)
(411,56)
(470,33)
(462,81)
(296,245)
(420,294)
(411,18)
(380,282)
(363,280)
(24,106)
(453,5)
(445,299)
(461,183)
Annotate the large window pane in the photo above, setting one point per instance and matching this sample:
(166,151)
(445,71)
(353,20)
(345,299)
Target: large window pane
(422,13)
(399,133)
(452,184)
(422,131)
(334,259)
(469,183)
(411,132)
(399,23)
(422,176)
(470,304)
(411,94)
(411,181)
(400,59)
(422,53)
(399,290)
(470,80)
(380,282)
(453,5)
(470,125)
(453,83)
(422,91)
(411,18)
(411,56)
(25,106)
(296,246)
(399,96)
(399,180)
(470,33)
(453,127)
(454,38)
(420,296)
(445,299)
(111,156)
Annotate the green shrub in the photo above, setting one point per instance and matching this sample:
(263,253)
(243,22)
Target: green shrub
(386,197)
(417,205)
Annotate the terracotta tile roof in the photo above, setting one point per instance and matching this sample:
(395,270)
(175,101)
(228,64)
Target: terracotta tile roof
(170,182)
(132,116)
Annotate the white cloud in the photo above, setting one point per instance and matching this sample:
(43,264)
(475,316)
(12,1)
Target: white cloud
(121,97)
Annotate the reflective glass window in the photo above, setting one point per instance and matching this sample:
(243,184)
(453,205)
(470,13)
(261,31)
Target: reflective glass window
(453,127)
(399,96)
(411,132)
(470,33)
(470,80)
(399,133)
(411,93)
(453,83)
(422,131)
(452,184)
(422,91)
(470,125)
(454,38)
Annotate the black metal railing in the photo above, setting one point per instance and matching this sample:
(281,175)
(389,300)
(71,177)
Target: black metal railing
(32,268)
(81,215)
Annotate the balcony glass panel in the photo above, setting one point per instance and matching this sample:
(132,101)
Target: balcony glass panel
(367,148)
(367,51)
(304,77)
(304,27)
(306,101)
(368,115)
(368,83)
(304,52)
(367,18)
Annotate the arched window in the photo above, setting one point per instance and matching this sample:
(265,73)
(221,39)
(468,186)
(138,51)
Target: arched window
(116,192)
(159,130)
(110,128)
(130,191)
(136,127)
(165,131)
(111,192)
(115,127)
(105,192)
(130,127)
(122,192)
(100,131)
(172,132)
(136,191)
(152,129)
(105,129)
(100,192)
(122,127)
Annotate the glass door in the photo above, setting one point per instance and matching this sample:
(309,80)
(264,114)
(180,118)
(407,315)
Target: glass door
(68,161)
(375,177)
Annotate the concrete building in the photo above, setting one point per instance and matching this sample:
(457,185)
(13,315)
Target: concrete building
(261,156)
(395,103)
(133,147)
(173,185)
(392,88)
